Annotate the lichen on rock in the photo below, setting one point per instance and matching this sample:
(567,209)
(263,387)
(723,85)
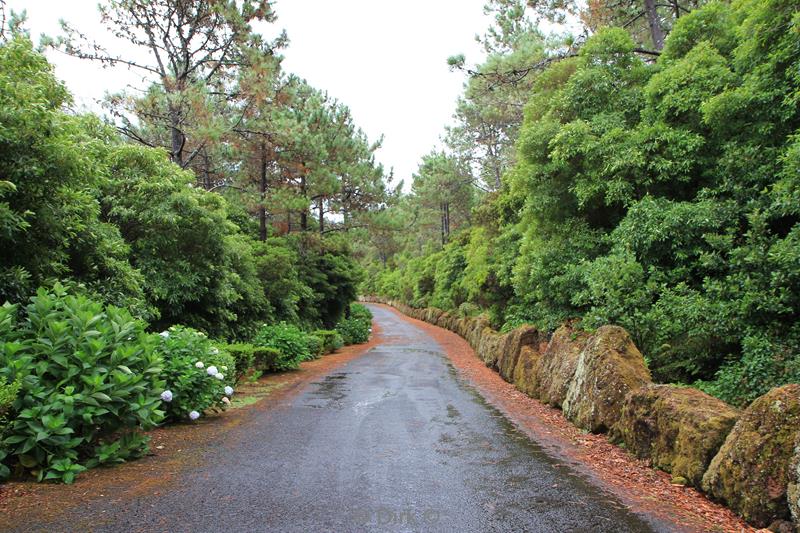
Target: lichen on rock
(679,429)
(751,472)
(557,364)
(793,487)
(607,369)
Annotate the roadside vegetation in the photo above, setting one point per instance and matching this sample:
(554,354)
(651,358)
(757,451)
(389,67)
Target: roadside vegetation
(154,258)
(644,175)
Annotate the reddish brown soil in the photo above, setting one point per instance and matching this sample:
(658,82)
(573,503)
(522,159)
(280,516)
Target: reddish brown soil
(640,487)
(173,448)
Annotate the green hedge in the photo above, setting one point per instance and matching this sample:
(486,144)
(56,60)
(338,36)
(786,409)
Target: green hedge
(289,340)
(331,340)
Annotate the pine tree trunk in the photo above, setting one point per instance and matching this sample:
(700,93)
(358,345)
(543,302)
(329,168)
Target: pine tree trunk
(304,213)
(262,209)
(656,31)
(176,136)
(320,206)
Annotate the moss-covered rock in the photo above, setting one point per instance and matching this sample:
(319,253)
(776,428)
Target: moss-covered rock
(526,372)
(793,487)
(557,364)
(444,320)
(607,369)
(474,334)
(489,345)
(679,429)
(513,341)
(750,473)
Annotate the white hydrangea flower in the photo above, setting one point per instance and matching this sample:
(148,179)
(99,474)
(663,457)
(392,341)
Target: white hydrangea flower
(164,334)
(199,364)
(214,351)
(225,400)
(166,396)
(194,415)
(212,370)
(220,376)
(224,368)
(228,390)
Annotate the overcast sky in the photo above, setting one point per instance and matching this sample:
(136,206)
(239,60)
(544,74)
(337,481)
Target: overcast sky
(385,59)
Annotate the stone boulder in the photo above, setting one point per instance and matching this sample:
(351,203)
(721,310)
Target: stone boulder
(557,364)
(526,372)
(476,330)
(444,320)
(750,473)
(432,315)
(513,341)
(793,488)
(679,429)
(608,368)
(489,346)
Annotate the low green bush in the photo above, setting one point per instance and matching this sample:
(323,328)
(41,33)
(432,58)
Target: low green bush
(198,374)
(289,340)
(353,330)
(356,328)
(89,380)
(316,346)
(8,393)
(267,359)
(360,311)
(243,357)
(331,340)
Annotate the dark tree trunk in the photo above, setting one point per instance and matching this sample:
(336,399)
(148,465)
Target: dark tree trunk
(304,213)
(656,31)
(262,209)
(178,140)
(320,206)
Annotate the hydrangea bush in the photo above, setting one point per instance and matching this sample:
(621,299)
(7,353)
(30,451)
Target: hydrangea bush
(331,340)
(198,374)
(89,381)
(289,340)
(357,328)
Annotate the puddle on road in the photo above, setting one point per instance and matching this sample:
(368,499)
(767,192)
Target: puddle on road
(329,392)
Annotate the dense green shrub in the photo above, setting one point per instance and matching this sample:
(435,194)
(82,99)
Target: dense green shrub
(8,394)
(353,330)
(356,328)
(661,196)
(243,357)
(289,340)
(316,347)
(266,359)
(332,275)
(50,166)
(331,340)
(196,373)
(360,311)
(90,379)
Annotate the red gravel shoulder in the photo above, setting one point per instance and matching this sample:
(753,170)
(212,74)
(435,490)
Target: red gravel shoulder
(641,488)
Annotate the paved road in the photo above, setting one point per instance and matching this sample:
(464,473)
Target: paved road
(392,441)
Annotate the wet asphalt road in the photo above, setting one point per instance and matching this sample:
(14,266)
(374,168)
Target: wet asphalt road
(392,441)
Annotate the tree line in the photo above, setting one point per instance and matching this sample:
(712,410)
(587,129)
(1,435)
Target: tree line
(217,194)
(643,173)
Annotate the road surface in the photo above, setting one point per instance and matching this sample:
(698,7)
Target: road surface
(391,441)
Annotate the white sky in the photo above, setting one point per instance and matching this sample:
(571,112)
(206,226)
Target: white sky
(385,59)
